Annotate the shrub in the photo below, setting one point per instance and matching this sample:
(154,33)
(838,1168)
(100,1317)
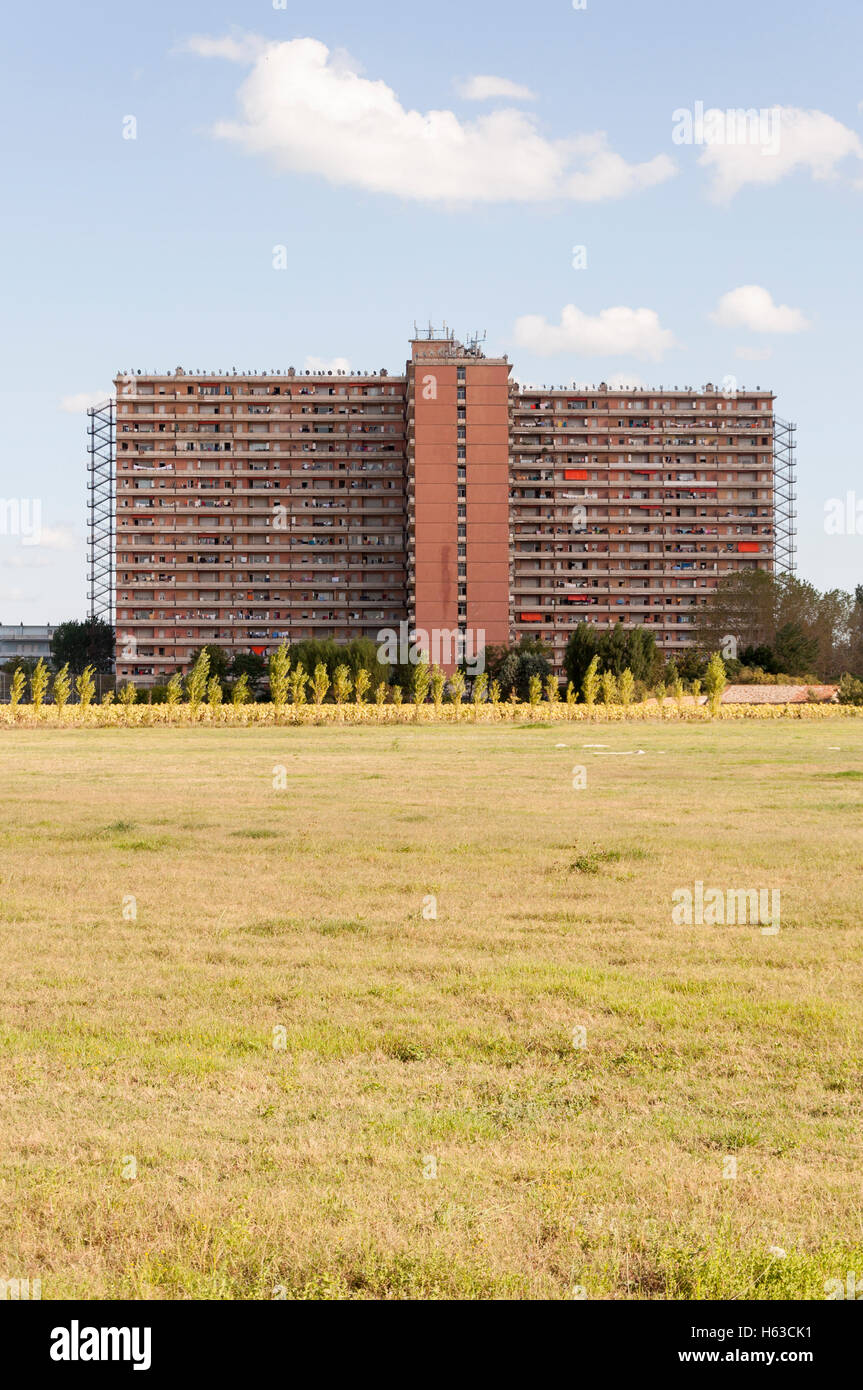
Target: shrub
(552,689)
(128,695)
(534,690)
(627,685)
(850,690)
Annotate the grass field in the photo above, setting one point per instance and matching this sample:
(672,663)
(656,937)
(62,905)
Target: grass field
(424,1125)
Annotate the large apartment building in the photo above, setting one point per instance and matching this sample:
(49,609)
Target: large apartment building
(252,509)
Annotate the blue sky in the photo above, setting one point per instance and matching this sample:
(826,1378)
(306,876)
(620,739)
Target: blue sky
(158,251)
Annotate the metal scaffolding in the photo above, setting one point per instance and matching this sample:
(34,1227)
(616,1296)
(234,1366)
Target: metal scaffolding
(785,495)
(100,511)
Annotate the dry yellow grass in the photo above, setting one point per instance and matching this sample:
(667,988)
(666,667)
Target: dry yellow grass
(413,1044)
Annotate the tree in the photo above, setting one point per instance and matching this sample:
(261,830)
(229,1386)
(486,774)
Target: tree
(342,684)
(26,664)
(457,688)
(77,644)
(608,683)
(590,683)
(85,685)
(512,667)
(420,683)
(625,688)
(618,649)
(362,682)
(219,661)
(280,670)
(714,682)
(742,606)
(174,690)
(16,690)
(438,681)
(241,693)
(754,607)
(320,683)
(251,665)
(361,653)
(298,681)
(38,683)
(128,695)
(762,658)
(581,648)
(62,688)
(196,681)
(796,654)
(214,694)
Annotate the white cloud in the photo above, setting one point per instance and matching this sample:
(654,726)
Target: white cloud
(752,307)
(239,48)
(312,112)
(625,381)
(610,333)
(483,88)
(753,354)
(76,405)
(327,364)
(803,140)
